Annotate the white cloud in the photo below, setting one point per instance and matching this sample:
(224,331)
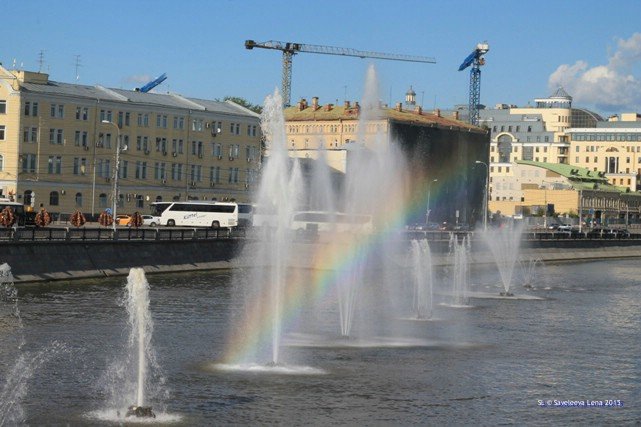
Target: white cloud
(611,87)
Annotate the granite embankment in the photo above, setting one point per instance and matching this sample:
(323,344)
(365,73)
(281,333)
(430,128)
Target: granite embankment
(58,260)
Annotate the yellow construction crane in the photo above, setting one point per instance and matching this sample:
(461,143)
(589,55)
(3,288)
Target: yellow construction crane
(290,49)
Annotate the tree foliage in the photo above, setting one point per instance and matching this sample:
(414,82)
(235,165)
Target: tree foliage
(242,101)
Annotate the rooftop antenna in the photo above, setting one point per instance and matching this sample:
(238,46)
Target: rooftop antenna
(78,65)
(41,60)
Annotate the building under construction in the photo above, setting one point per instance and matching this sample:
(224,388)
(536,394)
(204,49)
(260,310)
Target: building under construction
(440,152)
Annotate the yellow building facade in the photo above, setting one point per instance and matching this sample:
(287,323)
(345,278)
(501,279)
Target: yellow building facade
(613,148)
(58,145)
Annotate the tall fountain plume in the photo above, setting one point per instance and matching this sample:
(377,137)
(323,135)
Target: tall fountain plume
(134,379)
(374,185)
(459,251)
(27,363)
(504,243)
(422,301)
(280,191)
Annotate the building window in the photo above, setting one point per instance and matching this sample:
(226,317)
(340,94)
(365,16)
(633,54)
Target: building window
(143,120)
(78,200)
(82,113)
(179,122)
(2,132)
(3,106)
(217,150)
(504,148)
(30,108)
(197,125)
(1,162)
(29,163)
(56,136)
(30,134)
(106,115)
(57,111)
(54,198)
(161,121)
(102,200)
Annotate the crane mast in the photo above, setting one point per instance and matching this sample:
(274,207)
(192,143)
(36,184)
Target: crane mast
(475,59)
(290,49)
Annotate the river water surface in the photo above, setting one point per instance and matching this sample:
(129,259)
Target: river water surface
(498,362)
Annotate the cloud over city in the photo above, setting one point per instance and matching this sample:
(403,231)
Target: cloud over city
(611,87)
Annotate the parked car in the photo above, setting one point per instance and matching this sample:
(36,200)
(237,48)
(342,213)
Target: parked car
(123,219)
(150,220)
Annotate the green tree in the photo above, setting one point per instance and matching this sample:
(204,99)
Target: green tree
(242,101)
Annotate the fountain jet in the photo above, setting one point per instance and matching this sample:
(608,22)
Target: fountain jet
(140,335)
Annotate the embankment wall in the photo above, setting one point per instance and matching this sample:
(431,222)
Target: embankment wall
(42,261)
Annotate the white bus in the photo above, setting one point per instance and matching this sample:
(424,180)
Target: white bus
(332,221)
(196,214)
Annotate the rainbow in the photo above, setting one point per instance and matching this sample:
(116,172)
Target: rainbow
(333,263)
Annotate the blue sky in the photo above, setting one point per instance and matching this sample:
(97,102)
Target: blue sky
(592,48)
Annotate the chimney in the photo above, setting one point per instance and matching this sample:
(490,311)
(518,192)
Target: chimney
(315,103)
(455,115)
(437,112)
(399,106)
(357,106)
(302,104)
(418,110)
(328,107)
(347,105)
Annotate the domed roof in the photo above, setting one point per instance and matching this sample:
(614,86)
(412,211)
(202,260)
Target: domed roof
(410,91)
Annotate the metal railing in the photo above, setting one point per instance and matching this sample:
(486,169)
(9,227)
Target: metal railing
(37,234)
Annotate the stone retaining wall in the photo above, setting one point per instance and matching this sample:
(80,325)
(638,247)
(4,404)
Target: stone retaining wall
(41,261)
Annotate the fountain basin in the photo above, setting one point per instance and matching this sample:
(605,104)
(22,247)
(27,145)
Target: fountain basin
(140,412)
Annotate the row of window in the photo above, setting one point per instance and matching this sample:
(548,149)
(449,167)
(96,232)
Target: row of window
(332,128)
(509,128)
(596,159)
(81,139)
(593,148)
(103,199)
(161,169)
(57,111)
(515,148)
(606,137)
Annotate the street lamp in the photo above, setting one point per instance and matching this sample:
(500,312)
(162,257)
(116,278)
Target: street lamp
(116,171)
(429,191)
(487,189)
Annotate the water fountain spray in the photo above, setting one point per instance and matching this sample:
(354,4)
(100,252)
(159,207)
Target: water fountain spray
(140,335)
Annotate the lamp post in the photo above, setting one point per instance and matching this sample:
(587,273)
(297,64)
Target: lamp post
(116,171)
(429,192)
(487,189)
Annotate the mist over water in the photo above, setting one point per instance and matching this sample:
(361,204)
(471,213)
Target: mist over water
(370,189)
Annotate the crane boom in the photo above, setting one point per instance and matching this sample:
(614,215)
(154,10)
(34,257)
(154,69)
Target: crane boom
(290,49)
(152,84)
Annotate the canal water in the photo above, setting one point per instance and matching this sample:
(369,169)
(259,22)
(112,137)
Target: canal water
(499,361)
